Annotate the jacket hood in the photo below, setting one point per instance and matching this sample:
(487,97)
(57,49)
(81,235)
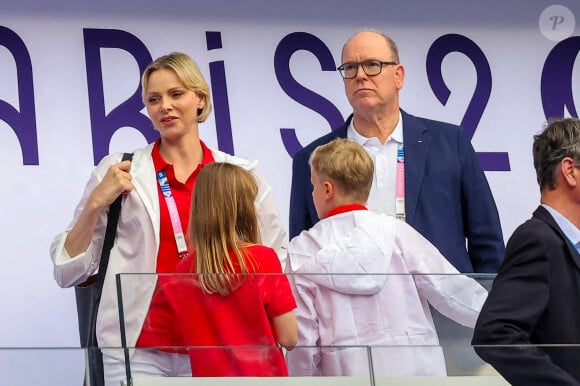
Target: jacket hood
(348,253)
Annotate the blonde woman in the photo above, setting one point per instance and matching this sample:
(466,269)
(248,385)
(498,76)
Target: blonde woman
(151,226)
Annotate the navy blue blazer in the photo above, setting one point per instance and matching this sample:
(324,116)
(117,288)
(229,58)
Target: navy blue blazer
(534,300)
(447,197)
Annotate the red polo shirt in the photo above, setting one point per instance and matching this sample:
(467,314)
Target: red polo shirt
(156,329)
(232,335)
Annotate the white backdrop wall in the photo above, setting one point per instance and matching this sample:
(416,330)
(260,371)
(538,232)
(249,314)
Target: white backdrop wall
(46,168)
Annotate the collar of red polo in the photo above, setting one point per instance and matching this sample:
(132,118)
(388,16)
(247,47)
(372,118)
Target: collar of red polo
(160,163)
(345,208)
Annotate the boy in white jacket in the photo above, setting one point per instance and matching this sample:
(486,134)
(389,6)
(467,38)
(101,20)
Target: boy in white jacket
(364,281)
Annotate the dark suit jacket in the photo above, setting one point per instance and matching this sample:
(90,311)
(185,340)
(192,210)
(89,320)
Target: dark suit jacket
(447,197)
(535,299)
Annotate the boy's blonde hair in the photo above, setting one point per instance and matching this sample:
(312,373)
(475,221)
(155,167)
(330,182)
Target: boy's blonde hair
(223,219)
(187,72)
(347,164)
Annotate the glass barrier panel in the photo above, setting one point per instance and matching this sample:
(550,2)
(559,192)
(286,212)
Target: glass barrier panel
(45,366)
(383,328)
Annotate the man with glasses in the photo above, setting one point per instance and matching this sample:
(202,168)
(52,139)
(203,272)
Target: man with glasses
(426,172)
(528,327)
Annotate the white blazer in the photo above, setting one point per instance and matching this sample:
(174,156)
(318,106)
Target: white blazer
(137,244)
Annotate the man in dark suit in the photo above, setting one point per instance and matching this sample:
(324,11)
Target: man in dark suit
(535,298)
(446,195)
(441,190)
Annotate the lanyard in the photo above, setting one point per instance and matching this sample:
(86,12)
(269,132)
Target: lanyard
(173,214)
(400,183)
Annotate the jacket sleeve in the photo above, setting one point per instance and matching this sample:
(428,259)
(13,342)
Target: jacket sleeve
(520,295)
(481,223)
(72,270)
(455,295)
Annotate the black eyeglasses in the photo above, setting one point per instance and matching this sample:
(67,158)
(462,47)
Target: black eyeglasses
(370,67)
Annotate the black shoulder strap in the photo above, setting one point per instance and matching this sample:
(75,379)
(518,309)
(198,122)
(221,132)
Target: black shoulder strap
(88,297)
(111,232)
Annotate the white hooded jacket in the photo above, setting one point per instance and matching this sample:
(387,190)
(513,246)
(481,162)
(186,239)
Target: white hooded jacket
(363,282)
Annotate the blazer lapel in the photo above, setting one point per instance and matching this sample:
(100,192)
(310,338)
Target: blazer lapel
(342,131)
(416,142)
(545,216)
(145,182)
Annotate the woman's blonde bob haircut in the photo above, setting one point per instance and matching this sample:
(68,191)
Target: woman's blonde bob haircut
(223,221)
(188,73)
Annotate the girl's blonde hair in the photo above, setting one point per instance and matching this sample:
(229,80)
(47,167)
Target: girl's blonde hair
(223,219)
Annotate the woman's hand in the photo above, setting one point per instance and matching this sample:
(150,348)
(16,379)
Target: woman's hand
(117,181)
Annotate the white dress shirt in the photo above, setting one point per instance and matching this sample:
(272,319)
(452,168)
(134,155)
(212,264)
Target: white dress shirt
(384,155)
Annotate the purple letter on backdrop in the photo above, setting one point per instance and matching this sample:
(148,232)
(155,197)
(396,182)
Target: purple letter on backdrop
(217,73)
(286,48)
(557,79)
(128,113)
(458,43)
(22,122)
